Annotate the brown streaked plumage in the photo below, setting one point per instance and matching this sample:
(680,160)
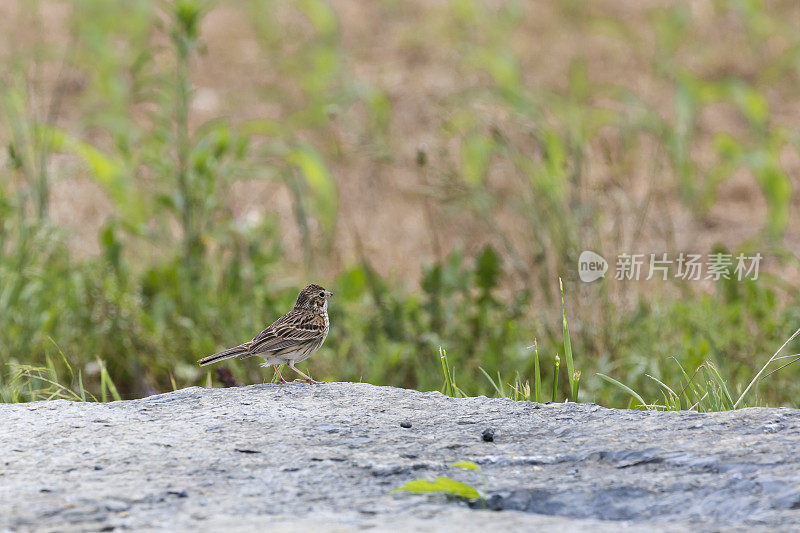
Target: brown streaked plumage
(292,338)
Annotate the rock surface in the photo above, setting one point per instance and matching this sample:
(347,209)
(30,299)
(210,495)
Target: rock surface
(298,456)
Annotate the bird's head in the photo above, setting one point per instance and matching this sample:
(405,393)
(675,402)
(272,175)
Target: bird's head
(313,298)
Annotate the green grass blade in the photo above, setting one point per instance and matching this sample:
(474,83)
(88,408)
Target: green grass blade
(573,391)
(763,368)
(447,388)
(522,391)
(496,387)
(107,383)
(716,401)
(103,388)
(556,364)
(690,382)
(537,374)
(80,386)
(722,385)
(60,390)
(625,388)
(671,398)
(502,386)
(662,384)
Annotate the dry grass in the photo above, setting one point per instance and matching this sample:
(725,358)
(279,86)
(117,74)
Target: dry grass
(406,51)
(538,128)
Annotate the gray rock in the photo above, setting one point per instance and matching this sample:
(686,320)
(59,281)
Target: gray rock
(297,457)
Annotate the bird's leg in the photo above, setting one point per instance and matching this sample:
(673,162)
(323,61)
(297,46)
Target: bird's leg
(308,378)
(280,377)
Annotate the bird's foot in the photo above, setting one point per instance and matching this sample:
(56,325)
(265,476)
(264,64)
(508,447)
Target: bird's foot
(310,381)
(281,381)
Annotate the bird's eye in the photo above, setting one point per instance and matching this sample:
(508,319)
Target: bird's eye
(322,295)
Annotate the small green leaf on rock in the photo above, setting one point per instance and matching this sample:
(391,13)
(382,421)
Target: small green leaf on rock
(442,484)
(466,465)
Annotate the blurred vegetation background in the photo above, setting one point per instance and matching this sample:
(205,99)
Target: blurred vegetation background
(172,173)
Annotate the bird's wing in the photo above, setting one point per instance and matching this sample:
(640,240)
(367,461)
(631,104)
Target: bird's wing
(292,329)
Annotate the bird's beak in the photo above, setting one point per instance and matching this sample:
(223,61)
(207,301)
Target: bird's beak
(328,294)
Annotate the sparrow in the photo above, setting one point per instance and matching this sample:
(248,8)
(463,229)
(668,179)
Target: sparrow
(290,339)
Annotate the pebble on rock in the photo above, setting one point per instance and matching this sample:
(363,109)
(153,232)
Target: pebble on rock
(405,424)
(488,435)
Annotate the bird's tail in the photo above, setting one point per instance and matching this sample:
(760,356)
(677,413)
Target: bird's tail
(242,349)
